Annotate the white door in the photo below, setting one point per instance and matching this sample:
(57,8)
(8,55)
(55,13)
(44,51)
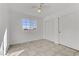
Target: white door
(50,27)
(69,35)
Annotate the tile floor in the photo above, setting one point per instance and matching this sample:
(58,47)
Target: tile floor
(41,48)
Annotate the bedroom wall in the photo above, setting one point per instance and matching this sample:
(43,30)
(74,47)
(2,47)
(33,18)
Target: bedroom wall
(4,18)
(70,30)
(17,34)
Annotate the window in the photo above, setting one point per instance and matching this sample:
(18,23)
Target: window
(29,24)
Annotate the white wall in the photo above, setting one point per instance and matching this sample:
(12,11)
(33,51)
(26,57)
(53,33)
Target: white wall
(3,20)
(17,34)
(4,16)
(70,30)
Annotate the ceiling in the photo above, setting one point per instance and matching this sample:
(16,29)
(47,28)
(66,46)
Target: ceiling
(48,9)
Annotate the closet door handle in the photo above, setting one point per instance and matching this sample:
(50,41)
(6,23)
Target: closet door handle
(59,26)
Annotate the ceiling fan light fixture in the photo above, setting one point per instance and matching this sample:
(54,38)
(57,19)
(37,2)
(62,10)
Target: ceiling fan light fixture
(39,10)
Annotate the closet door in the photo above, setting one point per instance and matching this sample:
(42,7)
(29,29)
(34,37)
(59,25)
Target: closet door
(50,29)
(69,35)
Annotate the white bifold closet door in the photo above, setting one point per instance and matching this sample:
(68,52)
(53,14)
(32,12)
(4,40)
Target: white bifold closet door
(69,30)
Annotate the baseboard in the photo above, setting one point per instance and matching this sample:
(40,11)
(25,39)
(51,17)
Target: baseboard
(25,42)
(63,45)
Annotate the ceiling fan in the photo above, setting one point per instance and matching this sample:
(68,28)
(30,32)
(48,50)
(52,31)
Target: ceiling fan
(40,7)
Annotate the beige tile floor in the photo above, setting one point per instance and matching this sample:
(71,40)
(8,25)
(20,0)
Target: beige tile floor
(40,48)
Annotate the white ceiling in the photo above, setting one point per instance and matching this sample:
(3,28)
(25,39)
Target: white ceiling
(47,10)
